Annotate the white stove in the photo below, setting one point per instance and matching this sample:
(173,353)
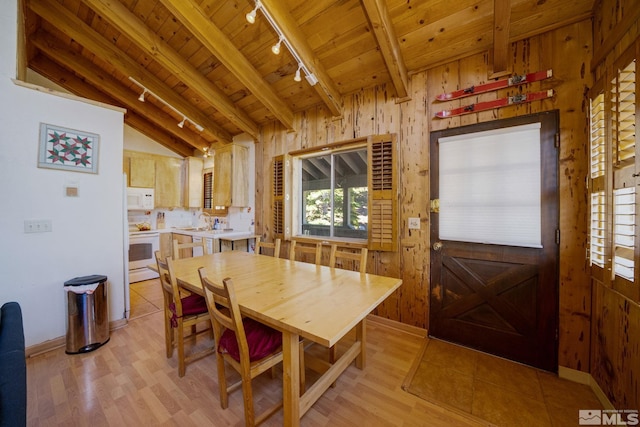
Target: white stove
(142,248)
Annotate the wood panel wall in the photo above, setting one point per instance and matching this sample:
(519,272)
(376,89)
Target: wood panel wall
(615,335)
(374,111)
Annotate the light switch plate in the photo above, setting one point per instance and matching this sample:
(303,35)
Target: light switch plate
(37,225)
(414,223)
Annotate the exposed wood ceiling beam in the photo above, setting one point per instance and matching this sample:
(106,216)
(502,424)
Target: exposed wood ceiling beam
(59,52)
(73,27)
(378,16)
(326,88)
(136,31)
(195,19)
(501,29)
(54,72)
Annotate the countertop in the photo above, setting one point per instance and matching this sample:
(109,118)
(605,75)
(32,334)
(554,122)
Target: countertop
(209,234)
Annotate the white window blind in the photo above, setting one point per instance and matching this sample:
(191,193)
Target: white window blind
(598,218)
(490,187)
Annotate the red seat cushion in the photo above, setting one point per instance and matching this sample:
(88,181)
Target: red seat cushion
(261,339)
(192,304)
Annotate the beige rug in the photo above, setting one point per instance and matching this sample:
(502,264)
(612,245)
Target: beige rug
(493,391)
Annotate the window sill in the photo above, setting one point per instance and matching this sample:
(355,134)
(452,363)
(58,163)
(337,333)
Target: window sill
(328,241)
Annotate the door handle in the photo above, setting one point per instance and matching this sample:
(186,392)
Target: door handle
(437,246)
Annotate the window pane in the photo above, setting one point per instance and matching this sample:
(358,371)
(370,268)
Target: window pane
(350,213)
(335,195)
(490,187)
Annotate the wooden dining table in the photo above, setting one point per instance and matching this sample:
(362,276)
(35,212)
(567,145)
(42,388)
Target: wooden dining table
(318,303)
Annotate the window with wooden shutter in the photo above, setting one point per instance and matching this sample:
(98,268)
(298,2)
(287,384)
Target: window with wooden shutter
(623,143)
(279,195)
(383,200)
(596,182)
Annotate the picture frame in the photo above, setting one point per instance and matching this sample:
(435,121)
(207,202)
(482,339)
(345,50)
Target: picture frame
(68,149)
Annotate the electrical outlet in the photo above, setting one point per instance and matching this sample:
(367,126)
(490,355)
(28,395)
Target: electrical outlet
(37,225)
(414,223)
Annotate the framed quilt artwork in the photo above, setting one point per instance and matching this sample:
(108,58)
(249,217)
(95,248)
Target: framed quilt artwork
(68,149)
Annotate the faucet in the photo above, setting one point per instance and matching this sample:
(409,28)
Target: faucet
(207,220)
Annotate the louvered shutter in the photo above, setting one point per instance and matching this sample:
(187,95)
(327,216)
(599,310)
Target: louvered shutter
(383,193)
(596,183)
(279,188)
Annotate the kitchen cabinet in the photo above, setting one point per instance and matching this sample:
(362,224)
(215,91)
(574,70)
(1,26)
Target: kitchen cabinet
(230,181)
(193,190)
(142,172)
(168,183)
(166,244)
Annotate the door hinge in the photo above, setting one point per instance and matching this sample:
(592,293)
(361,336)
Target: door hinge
(557,236)
(557,140)
(435,205)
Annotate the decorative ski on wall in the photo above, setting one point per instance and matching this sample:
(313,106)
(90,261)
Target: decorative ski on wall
(499,84)
(496,103)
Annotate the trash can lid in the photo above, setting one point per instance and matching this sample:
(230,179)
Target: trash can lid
(85,280)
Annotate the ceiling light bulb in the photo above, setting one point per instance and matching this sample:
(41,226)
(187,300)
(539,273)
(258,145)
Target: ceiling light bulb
(251,16)
(181,124)
(276,47)
(297,77)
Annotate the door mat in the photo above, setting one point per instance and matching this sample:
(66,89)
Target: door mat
(492,391)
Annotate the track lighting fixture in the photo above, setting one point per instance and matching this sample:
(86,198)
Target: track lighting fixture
(251,16)
(276,48)
(297,76)
(141,97)
(184,117)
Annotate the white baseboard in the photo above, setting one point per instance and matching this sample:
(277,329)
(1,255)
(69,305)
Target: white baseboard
(586,379)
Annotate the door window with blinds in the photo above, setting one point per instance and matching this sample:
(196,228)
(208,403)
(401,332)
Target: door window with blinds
(613,241)
(490,187)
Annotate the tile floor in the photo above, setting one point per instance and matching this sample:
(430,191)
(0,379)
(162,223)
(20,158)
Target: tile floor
(145,298)
(496,390)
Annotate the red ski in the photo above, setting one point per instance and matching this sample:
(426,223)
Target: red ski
(496,103)
(499,84)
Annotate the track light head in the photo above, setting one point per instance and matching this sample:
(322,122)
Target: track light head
(297,77)
(181,124)
(276,47)
(251,16)
(141,97)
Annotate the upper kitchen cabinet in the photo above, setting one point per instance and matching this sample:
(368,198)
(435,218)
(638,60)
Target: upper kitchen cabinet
(168,182)
(142,172)
(193,191)
(230,181)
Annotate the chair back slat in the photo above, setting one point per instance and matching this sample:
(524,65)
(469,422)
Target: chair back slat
(358,255)
(303,248)
(180,249)
(275,246)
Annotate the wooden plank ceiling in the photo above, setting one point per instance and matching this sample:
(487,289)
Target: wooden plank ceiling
(203,60)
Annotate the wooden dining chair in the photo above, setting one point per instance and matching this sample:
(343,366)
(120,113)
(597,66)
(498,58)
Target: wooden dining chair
(181,312)
(247,345)
(275,246)
(346,253)
(185,250)
(305,248)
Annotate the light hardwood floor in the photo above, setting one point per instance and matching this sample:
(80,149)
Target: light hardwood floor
(130,382)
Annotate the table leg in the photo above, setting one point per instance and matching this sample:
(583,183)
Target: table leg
(291,378)
(361,336)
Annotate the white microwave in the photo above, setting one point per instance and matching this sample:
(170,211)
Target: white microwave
(140,198)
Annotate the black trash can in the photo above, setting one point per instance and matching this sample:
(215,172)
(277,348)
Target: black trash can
(87,313)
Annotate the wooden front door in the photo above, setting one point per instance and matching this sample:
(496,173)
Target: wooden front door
(499,298)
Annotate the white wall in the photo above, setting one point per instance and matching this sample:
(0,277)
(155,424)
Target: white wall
(87,236)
